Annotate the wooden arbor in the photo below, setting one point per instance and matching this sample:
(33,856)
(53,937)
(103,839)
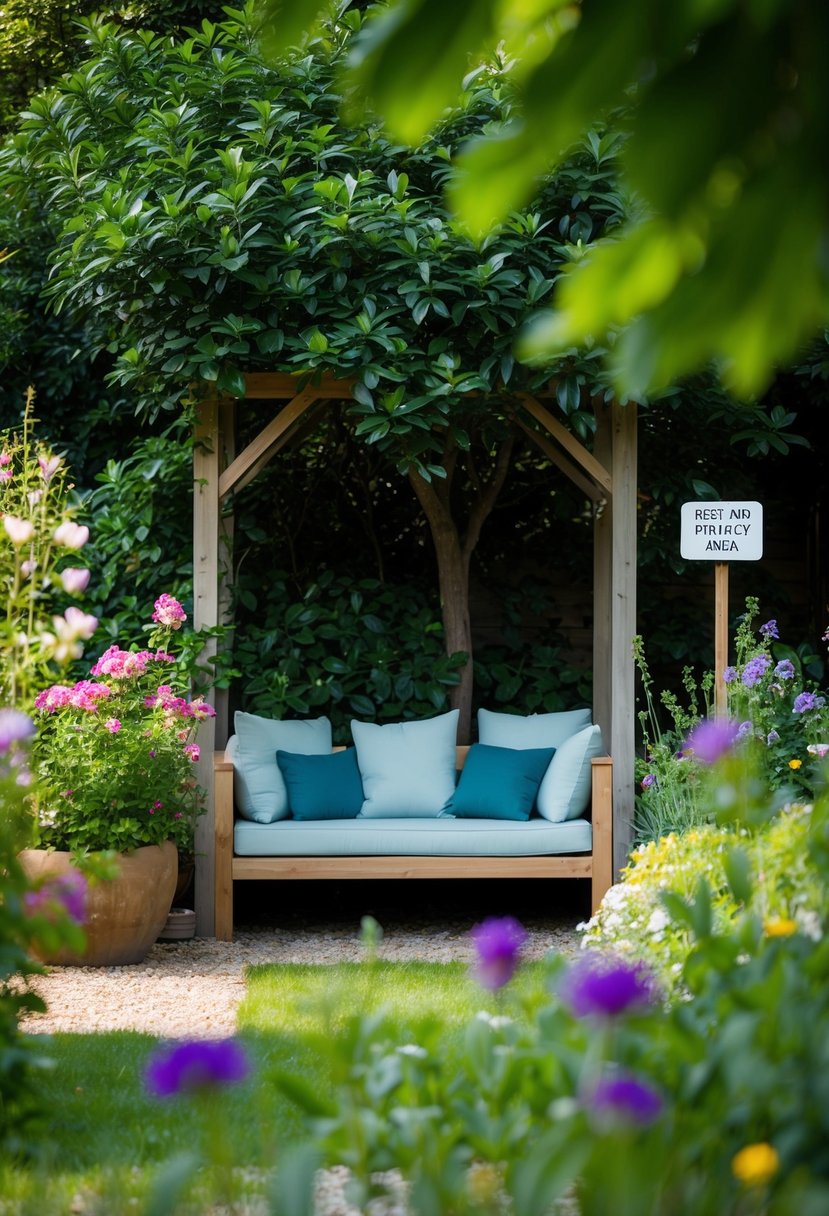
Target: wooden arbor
(607,476)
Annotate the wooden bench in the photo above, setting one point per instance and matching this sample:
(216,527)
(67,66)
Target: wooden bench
(596,865)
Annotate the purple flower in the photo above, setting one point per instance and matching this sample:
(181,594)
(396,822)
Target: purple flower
(772,737)
(712,738)
(745,730)
(784,670)
(648,780)
(769,630)
(606,986)
(625,1098)
(195,1065)
(729,675)
(807,701)
(498,943)
(63,894)
(14,728)
(755,669)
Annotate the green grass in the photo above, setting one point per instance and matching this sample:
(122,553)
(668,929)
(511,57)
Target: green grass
(105,1139)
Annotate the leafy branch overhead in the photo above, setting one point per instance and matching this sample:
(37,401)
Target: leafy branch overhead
(726,108)
(221,216)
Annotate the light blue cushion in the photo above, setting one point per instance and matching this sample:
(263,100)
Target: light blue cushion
(322,787)
(535,730)
(411,838)
(499,782)
(260,790)
(407,768)
(565,789)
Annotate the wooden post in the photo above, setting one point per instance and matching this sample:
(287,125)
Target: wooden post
(602,598)
(206,614)
(720,636)
(623,626)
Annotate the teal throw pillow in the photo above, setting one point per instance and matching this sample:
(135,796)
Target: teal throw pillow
(534,730)
(565,790)
(499,782)
(258,784)
(407,768)
(322,787)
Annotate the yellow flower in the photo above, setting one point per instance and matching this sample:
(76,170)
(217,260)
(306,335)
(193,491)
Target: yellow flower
(795,763)
(756,1164)
(780,926)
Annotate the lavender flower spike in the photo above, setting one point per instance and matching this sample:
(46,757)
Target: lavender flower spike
(607,986)
(712,738)
(194,1066)
(769,630)
(498,942)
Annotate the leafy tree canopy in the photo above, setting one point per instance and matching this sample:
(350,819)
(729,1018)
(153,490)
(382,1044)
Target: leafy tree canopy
(217,213)
(727,108)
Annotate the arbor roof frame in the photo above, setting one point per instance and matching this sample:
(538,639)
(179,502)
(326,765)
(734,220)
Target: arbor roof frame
(607,475)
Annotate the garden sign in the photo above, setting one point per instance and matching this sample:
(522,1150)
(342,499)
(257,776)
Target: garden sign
(721,532)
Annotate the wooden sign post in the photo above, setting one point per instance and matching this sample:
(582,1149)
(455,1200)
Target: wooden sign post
(721,532)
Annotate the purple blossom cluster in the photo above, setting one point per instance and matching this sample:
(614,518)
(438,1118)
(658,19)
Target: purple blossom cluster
(59,896)
(625,1098)
(498,944)
(712,738)
(755,669)
(785,670)
(806,702)
(769,631)
(194,1066)
(605,986)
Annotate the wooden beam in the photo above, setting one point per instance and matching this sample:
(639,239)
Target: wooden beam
(206,524)
(623,626)
(227,451)
(259,451)
(583,458)
(574,866)
(271,386)
(561,461)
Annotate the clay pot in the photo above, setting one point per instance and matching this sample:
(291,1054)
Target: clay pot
(124,916)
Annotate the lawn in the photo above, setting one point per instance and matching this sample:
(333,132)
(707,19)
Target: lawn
(105,1140)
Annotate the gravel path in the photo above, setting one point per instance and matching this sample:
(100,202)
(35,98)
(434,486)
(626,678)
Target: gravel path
(193,988)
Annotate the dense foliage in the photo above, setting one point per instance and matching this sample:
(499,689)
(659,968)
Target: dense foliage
(715,262)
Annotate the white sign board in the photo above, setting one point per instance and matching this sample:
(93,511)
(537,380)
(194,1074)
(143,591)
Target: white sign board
(722,531)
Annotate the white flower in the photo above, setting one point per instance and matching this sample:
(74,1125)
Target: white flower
(496,1021)
(18,530)
(412,1049)
(71,535)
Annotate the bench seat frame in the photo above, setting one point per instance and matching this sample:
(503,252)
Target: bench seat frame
(597,865)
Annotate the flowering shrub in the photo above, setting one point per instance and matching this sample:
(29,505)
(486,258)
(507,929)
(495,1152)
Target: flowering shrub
(114,753)
(39,544)
(713,1103)
(634,922)
(768,705)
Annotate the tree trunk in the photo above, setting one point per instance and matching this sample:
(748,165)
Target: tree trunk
(454,555)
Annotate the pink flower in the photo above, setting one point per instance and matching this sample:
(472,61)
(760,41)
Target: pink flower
(75,624)
(169,612)
(193,751)
(5,458)
(71,535)
(49,465)
(821,750)
(6,475)
(18,530)
(53,698)
(112,725)
(74,579)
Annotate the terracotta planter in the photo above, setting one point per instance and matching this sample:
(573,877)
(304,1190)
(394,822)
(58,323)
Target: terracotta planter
(125,916)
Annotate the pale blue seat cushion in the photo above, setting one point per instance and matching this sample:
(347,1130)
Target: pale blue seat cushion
(260,790)
(407,768)
(401,837)
(532,730)
(565,788)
